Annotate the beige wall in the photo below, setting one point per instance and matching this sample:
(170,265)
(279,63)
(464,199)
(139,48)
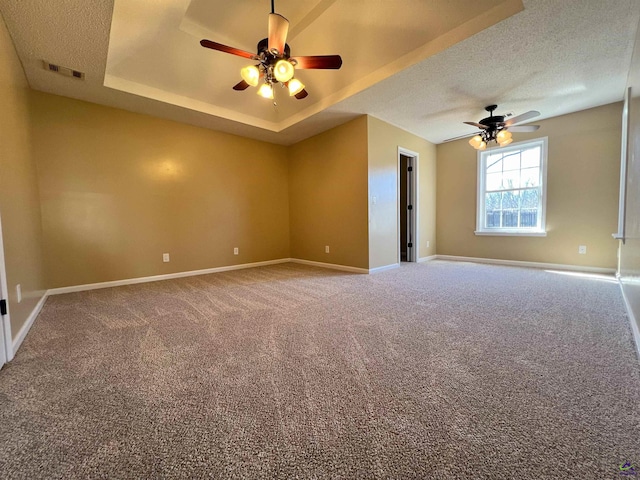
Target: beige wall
(582,194)
(630,250)
(119,189)
(328,196)
(19,202)
(384,140)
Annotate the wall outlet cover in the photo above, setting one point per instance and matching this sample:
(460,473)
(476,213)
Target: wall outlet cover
(165,257)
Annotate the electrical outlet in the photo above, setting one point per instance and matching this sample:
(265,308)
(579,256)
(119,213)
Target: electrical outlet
(427,243)
(582,249)
(165,257)
(235,251)
(326,249)
(19,292)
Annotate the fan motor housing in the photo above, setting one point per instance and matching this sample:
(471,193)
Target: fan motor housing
(492,120)
(263,47)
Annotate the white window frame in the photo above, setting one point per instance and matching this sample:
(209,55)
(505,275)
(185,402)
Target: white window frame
(481,229)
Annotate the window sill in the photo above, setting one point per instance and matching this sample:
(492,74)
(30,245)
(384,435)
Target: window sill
(512,233)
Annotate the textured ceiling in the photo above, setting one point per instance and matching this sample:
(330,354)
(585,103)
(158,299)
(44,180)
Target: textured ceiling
(423,66)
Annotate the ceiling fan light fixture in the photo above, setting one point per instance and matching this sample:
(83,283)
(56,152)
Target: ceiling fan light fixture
(495,129)
(266,91)
(503,135)
(295,86)
(283,71)
(504,138)
(275,63)
(475,141)
(251,75)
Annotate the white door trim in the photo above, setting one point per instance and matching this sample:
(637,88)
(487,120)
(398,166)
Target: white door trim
(414,201)
(6,350)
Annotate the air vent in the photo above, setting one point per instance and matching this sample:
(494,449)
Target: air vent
(67,72)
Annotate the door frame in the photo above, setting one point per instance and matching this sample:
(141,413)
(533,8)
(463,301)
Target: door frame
(6,347)
(413,255)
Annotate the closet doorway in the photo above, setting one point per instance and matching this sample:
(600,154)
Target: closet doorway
(407,205)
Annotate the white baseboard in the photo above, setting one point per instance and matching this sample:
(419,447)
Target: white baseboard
(332,266)
(384,268)
(427,259)
(28,324)
(632,319)
(156,278)
(519,263)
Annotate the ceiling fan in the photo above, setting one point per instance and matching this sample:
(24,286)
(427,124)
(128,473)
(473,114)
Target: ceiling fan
(495,128)
(275,63)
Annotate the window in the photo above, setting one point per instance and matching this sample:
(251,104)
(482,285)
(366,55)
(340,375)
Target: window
(511,189)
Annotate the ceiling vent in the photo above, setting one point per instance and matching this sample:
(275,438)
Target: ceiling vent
(67,72)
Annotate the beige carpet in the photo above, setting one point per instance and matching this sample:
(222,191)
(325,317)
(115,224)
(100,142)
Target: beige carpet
(438,370)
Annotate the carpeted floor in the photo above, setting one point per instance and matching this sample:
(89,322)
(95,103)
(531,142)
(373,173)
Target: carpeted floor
(438,370)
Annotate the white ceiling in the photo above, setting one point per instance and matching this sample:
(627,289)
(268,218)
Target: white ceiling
(425,66)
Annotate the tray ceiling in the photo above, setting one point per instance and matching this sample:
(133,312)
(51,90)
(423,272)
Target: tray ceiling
(154,48)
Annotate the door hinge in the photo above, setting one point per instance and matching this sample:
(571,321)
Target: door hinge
(409,207)
(410,245)
(410,169)
(3,307)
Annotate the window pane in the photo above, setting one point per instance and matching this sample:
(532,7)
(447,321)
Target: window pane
(493,219)
(530,199)
(530,177)
(511,200)
(494,182)
(528,218)
(531,158)
(494,163)
(493,201)
(512,161)
(511,179)
(510,218)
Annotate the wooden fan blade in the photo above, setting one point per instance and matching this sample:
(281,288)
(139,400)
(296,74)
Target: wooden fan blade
(474,124)
(333,62)
(524,128)
(522,118)
(302,94)
(223,48)
(278,30)
(460,137)
(241,86)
